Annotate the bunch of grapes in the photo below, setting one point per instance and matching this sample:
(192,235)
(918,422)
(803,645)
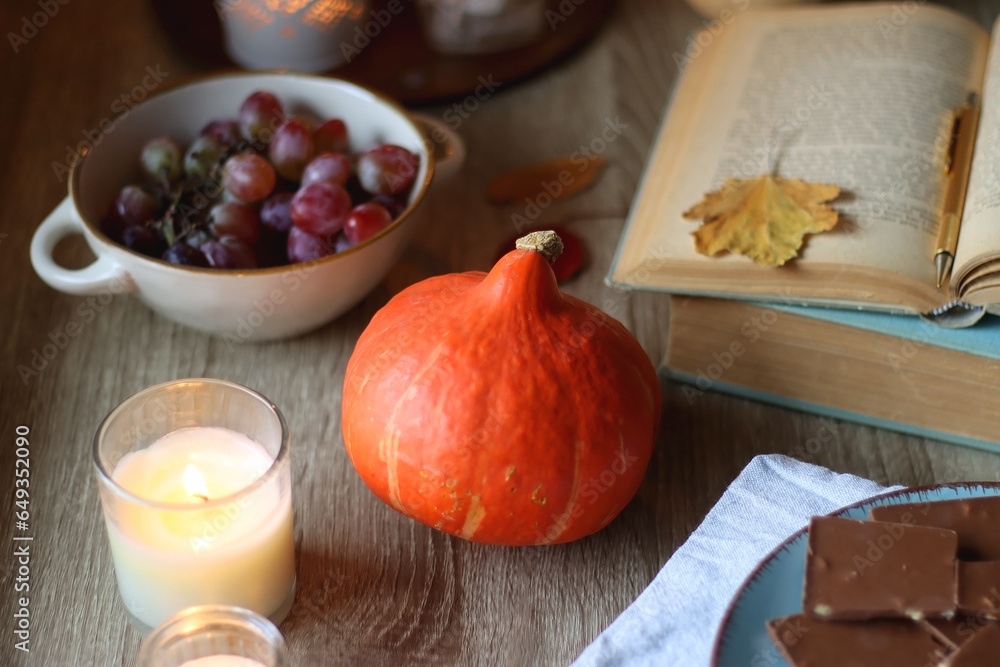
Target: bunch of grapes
(259,190)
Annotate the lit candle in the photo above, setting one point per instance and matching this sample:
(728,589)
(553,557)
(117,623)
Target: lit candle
(214,529)
(294,34)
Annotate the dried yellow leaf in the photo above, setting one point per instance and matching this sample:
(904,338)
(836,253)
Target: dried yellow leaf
(764,218)
(558,178)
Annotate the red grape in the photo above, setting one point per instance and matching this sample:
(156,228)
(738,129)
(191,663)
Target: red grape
(248,177)
(225,131)
(229,252)
(331,137)
(275,213)
(134,206)
(365,221)
(387,169)
(234,219)
(305,247)
(328,168)
(182,253)
(291,148)
(260,115)
(143,239)
(320,208)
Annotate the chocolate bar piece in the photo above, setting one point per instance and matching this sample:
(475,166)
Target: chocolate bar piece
(974,519)
(979,589)
(864,569)
(879,643)
(981,650)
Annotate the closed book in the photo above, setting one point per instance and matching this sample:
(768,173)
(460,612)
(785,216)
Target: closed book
(882,370)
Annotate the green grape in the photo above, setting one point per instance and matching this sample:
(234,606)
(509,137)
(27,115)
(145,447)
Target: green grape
(162,159)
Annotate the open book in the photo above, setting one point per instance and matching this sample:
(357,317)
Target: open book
(862,96)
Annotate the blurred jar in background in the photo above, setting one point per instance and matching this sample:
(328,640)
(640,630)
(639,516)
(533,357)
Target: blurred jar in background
(481,26)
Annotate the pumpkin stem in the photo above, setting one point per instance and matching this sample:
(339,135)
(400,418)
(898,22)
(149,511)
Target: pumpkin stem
(546,242)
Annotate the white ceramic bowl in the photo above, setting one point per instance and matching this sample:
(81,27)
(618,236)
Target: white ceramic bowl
(258,304)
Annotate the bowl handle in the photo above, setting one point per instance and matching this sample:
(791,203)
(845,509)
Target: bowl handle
(449,149)
(102,275)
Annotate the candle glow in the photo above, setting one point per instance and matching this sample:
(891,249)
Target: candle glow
(194,482)
(208,533)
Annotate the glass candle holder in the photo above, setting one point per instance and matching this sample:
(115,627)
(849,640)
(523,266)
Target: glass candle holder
(214,636)
(302,35)
(195,485)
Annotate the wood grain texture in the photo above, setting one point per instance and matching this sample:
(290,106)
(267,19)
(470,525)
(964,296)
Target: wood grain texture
(374,588)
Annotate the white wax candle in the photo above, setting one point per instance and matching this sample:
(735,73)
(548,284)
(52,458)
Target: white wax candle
(223,661)
(210,546)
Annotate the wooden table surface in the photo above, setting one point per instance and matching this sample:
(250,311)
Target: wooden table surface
(374,588)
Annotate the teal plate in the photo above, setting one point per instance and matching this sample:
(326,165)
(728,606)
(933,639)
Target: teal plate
(774,588)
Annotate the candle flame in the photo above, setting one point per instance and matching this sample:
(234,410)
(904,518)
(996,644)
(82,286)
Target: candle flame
(194,482)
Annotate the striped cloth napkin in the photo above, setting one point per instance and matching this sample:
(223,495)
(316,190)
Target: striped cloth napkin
(675,620)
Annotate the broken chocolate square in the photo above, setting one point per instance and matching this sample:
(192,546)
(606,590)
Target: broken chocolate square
(857,570)
(974,519)
(878,643)
(979,589)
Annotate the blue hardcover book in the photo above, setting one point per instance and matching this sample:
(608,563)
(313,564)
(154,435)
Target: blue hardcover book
(890,371)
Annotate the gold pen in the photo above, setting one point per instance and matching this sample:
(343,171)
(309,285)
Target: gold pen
(963,138)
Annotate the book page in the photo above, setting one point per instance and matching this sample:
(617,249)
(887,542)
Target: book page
(860,96)
(980,232)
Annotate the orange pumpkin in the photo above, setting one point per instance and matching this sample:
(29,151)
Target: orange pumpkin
(498,409)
